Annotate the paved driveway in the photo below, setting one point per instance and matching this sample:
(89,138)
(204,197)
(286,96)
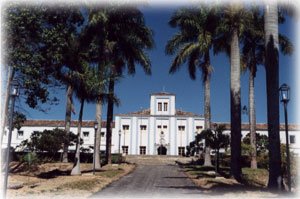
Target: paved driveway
(153,177)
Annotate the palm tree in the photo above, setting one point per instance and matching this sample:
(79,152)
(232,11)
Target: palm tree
(234,20)
(253,54)
(62,25)
(72,60)
(121,40)
(95,38)
(129,49)
(272,78)
(192,44)
(86,89)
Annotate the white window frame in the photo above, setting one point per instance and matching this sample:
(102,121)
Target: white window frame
(125,127)
(165,106)
(293,139)
(142,150)
(18,136)
(143,127)
(84,135)
(159,106)
(181,128)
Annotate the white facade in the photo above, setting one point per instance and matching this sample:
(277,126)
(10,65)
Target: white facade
(87,133)
(144,131)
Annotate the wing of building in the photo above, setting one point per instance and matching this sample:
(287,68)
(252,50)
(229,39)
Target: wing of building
(159,130)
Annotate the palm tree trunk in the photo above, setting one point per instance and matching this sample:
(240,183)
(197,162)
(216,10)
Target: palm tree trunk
(11,74)
(235,102)
(110,112)
(272,80)
(67,122)
(76,166)
(207,113)
(99,104)
(98,134)
(218,160)
(252,119)
(207,157)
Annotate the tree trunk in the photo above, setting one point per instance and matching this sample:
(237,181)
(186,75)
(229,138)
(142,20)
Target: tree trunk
(252,119)
(11,74)
(207,113)
(272,81)
(76,166)
(110,112)
(235,102)
(218,160)
(207,157)
(98,134)
(67,122)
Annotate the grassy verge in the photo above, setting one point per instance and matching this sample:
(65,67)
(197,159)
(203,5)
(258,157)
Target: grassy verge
(255,177)
(87,184)
(61,184)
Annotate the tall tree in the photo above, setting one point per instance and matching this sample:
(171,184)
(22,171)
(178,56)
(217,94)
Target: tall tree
(63,26)
(23,56)
(272,84)
(131,43)
(253,54)
(86,89)
(192,44)
(96,38)
(232,25)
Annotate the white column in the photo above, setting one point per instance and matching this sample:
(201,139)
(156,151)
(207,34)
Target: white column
(173,135)
(151,135)
(133,143)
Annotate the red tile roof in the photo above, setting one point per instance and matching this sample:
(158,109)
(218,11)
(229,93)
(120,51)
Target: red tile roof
(144,112)
(61,123)
(263,126)
(189,114)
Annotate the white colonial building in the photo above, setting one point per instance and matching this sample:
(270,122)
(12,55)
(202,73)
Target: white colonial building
(161,129)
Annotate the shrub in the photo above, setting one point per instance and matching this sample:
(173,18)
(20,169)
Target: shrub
(31,161)
(48,142)
(263,160)
(117,158)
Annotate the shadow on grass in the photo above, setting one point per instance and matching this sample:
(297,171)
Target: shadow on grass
(91,170)
(221,183)
(53,174)
(209,183)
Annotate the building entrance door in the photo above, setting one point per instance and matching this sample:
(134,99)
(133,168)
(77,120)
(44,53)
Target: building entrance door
(162,150)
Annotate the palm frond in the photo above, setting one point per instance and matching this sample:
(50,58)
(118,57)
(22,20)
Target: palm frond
(182,56)
(286,46)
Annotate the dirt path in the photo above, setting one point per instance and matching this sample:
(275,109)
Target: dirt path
(153,177)
(161,177)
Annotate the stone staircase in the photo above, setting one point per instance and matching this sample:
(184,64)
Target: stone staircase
(156,159)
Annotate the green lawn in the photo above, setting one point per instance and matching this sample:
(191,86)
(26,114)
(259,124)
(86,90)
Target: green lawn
(254,177)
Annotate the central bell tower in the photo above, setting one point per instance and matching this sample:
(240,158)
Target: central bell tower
(162,103)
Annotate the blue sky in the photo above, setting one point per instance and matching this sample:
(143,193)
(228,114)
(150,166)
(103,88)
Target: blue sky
(134,91)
